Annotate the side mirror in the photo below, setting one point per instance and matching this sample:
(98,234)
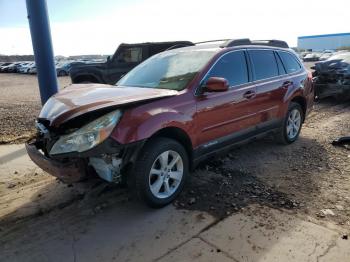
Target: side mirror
(216,84)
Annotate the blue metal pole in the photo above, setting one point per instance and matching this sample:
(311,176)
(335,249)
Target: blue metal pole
(42,46)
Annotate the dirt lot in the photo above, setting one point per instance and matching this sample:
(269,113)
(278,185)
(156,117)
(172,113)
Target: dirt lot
(306,177)
(309,179)
(19,106)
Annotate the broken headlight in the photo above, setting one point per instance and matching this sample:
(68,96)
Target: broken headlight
(88,136)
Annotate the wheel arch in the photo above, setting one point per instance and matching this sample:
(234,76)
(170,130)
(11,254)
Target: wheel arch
(302,102)
(86,77)
(178,135)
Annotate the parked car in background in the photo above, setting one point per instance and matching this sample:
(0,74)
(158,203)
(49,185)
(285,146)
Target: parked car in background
(3,67)
(312,57)
(63,68)
(23,68)
(325,56)
(332,77)
(20,66)
(303,54)
(126,57)
(32,70)
(10,68)
(171,112)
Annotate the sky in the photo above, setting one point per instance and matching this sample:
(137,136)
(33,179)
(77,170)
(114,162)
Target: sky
(99,26)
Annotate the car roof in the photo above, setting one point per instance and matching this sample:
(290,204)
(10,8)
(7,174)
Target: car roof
(218,47)
(158,43)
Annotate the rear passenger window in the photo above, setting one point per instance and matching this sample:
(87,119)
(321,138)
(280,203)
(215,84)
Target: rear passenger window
(290,62)
(232,67)
(264,63)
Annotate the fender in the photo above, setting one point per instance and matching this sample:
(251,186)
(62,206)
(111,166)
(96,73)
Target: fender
(304,90)
(148,124)
(288,98)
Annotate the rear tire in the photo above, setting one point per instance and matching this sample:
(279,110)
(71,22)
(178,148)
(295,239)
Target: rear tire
(160,172)
(292,124)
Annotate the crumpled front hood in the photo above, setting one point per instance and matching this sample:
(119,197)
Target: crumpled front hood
(79,99)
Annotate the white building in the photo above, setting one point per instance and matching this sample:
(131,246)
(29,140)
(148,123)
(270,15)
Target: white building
(324,42)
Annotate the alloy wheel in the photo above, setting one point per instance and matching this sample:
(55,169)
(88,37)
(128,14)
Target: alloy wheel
(166,174)
(293,123)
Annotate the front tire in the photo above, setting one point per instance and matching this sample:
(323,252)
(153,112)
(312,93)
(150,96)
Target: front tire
(61,73)
(160,171)
(292,124)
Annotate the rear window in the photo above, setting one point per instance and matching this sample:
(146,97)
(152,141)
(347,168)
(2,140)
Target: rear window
(290,63)
(264,64)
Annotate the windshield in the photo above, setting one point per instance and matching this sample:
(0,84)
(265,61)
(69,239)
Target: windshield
(168,70)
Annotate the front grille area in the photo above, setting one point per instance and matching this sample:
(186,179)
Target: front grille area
(45,138)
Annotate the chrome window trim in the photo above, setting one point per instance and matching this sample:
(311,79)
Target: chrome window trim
(255,82)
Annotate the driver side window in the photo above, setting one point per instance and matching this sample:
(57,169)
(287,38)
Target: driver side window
(232,67)
(130,55)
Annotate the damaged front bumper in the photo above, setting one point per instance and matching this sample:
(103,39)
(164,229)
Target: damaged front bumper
(107,159)
(68,171)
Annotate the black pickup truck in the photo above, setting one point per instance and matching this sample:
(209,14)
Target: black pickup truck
(125,58)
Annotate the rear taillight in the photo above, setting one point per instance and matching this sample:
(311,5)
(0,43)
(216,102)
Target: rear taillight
(309,78)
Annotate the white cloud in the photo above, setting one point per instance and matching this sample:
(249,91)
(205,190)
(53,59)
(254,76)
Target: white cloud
(161,20)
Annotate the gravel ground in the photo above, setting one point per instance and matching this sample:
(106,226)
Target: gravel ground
(310,177)
(19,106)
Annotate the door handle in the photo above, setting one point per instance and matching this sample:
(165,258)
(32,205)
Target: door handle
(287,84)
(249,94)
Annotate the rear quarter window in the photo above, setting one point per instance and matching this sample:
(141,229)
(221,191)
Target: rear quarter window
(264,64)
(290,62)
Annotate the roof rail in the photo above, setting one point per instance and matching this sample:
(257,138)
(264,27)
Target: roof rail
(180,45)
(209,41)
(247,41)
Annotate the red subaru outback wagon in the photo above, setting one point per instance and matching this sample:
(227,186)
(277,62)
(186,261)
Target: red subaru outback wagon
(172,111)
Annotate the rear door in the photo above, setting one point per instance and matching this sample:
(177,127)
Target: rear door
(271,86)
(222,117)
(297,76)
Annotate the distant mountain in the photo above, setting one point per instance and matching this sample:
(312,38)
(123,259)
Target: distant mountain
(15,58)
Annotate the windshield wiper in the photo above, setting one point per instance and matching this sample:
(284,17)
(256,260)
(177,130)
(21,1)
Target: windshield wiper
(176,78)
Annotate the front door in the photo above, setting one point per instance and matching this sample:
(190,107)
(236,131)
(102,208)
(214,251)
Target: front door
(222,117)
